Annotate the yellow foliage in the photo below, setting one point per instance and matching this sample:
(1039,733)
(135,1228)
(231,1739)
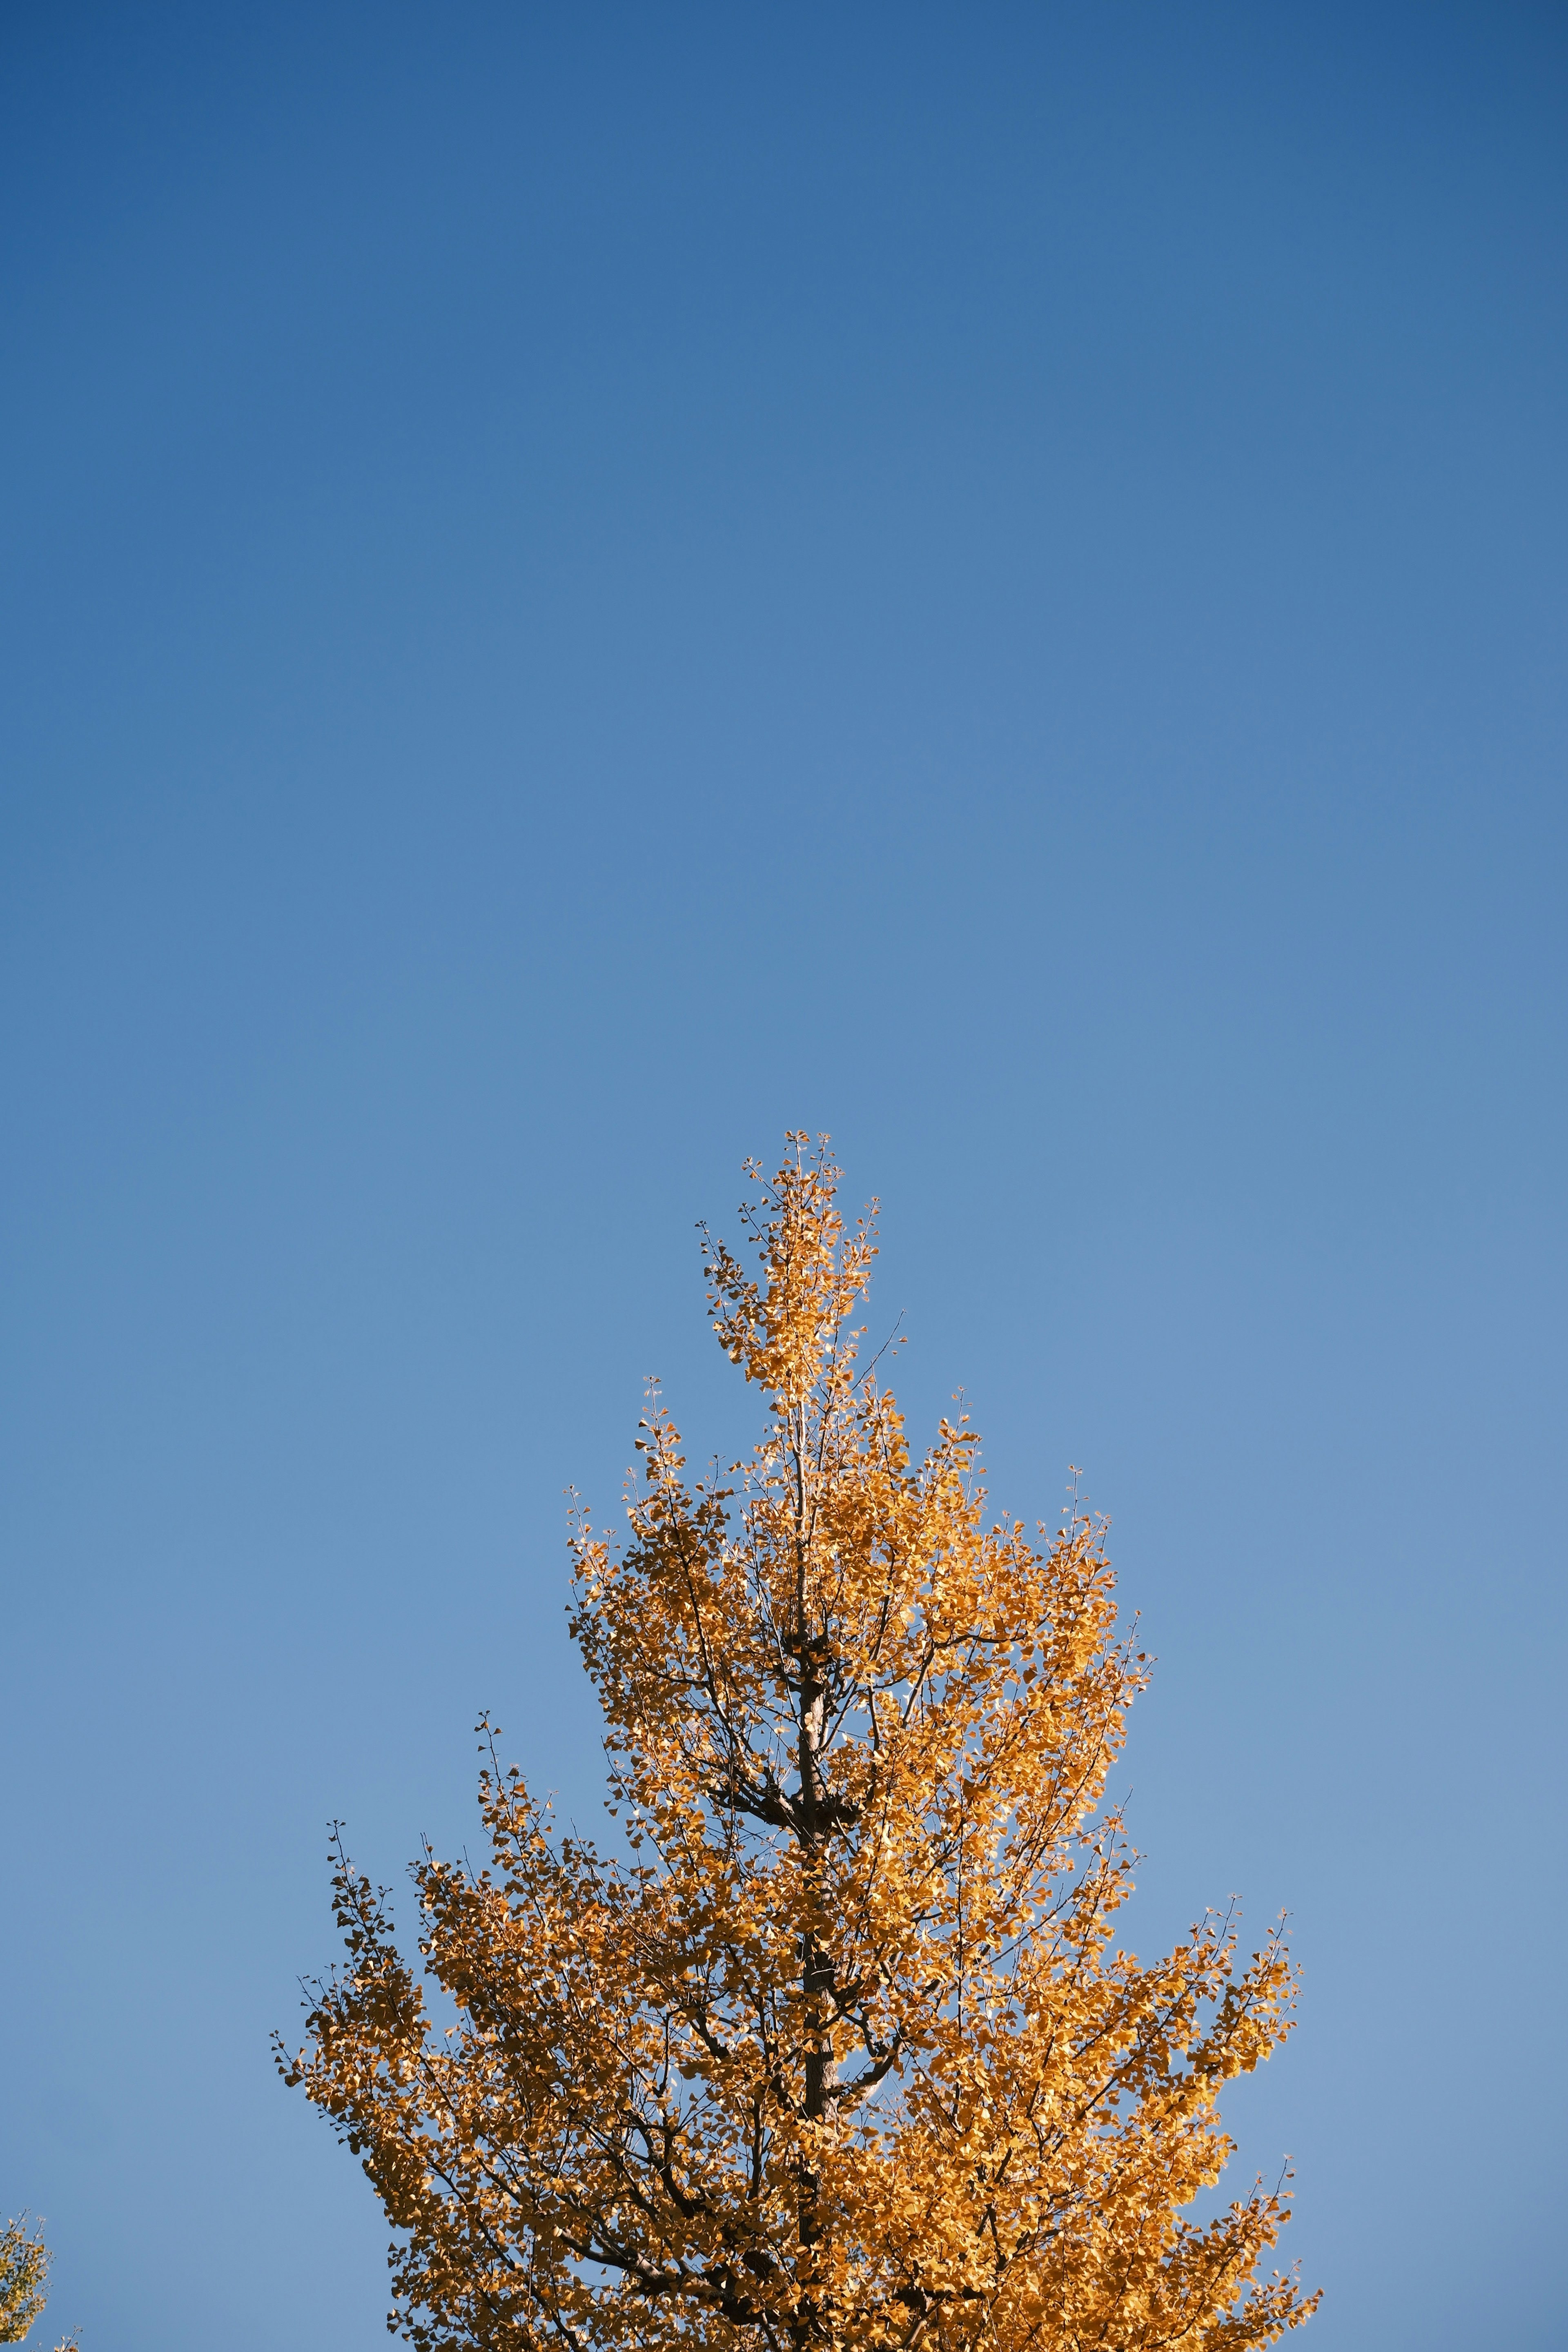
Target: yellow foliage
(844,2053)
(24,2275)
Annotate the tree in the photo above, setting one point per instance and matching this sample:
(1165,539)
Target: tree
(841,2052)
(24,2275)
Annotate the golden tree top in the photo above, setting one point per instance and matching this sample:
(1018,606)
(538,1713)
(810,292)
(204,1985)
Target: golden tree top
(844,2051)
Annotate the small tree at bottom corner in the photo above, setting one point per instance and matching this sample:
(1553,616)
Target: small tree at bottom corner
(841,2050)
(24,2275)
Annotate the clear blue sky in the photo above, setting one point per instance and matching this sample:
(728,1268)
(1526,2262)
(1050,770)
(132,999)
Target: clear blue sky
(582,585)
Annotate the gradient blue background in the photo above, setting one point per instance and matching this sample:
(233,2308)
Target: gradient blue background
(582,585)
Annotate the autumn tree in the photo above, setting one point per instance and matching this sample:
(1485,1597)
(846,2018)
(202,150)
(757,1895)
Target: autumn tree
(24,2275)
(840,2051)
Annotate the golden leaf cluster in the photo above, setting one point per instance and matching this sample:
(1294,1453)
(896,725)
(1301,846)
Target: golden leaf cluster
(840,2050)
(24,2275)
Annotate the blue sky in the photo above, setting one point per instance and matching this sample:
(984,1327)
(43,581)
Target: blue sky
(583,586)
